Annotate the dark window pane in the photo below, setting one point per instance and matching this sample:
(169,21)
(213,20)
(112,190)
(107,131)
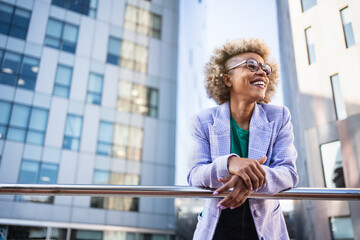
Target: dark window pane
(21,232)
(112,59)
(48,173)
(29,172)
(4,28)
(6,12)
(69,47)
(18,32)
(21,18)
(71,143)
(11,64)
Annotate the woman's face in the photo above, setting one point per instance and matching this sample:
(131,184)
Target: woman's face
(243,83)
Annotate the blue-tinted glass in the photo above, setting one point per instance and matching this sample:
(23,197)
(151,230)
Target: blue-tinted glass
(19,116)
(29,172)
(63,75)
(1,56)
(8,79)
(38,119)
(4,27)
(105,132)
(71,143)
(60,3)
(6,12)
(342,228)
(34,137)
(21,18)
(103,149)
(73,126)
(93,3)
(113,59)
(69,47)
(95,83)
(93,98)
(54,29)
(48,173)
(51,42)
(11,64)
(61,91)
(101,177)
(114,46)
(70,33)
(5,112)
(30,66)
(18,32)
(306,4)
(310,45)
(2,134)
(27,82)
(16,134)
(75,6)
(349,35)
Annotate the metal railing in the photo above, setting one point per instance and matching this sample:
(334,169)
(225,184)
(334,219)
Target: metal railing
(344,194)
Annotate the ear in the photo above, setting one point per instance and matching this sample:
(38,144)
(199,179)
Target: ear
(227,80)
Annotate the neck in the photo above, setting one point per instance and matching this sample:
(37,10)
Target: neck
(241,112)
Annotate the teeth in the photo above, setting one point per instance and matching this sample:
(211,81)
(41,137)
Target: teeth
(259,83)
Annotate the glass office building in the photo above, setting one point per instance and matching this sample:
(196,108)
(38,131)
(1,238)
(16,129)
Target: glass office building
(88,96)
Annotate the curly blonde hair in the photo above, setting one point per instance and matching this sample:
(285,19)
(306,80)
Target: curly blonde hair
(215,68)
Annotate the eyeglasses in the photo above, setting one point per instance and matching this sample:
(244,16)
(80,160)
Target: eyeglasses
(253,66)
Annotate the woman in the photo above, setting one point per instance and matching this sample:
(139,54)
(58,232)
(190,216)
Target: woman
(244,144)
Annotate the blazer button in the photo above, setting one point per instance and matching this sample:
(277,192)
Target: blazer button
(256,213)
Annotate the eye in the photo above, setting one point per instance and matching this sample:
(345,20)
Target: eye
(267,69)
(253,65)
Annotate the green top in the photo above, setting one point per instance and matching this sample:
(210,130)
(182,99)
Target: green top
(239,139)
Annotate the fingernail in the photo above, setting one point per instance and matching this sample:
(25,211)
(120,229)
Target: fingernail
(219,206)
(251,189)
(223,207)
(215,193)
(232,207)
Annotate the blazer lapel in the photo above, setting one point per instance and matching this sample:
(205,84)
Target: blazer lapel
(220,132)
(260,133)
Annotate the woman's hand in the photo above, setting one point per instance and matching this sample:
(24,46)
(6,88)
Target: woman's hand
(238,195)
(249,170)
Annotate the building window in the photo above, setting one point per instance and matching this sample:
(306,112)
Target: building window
(120,141)
(138,99)
(127,55)
(26,232)
(332,164)
(115,203)
(22,123)
(341,228)
(347,27)
(94,88)
(61,35)
(105,138)
(18,70)
(86,7)
(63,81)
(339,103)
(14,21)
(32,172)
(86,235)
(142,21)
(72,132)
(310,45)
(306,4)
(114,49)
(146,236)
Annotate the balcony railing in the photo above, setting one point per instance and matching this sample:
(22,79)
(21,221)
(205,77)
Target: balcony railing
(344,194)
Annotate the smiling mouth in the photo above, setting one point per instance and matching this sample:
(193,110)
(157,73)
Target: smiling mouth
(258,82)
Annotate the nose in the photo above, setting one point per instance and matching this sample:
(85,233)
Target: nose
(261,72)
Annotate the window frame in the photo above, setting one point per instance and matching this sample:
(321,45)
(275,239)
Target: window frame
(348,42)
(67,137)
(13,25)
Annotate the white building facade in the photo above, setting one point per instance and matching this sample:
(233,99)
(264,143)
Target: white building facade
(88,96)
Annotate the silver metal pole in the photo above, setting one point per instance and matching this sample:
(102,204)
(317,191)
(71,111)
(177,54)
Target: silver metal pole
(344,194)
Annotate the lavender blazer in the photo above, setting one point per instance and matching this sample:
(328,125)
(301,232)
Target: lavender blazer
(271,134)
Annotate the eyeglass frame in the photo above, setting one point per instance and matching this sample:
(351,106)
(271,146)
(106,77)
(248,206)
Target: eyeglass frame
(245,61)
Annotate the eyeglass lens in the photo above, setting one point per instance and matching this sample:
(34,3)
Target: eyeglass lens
(253,65)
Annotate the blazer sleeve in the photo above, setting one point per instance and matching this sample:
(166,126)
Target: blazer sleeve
(203,171)
(281,173)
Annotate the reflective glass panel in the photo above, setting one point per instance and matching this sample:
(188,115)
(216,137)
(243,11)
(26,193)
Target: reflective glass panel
(63,81)
(38,119)
(23,232)
(54,28)
(73,126)
(19,116)
(48,173)
(306,4)
(340,107)
(58,233)
(310,45)
(86,235)
(29,172)
(5,108)
(341,228)
(332,164)
(347,27)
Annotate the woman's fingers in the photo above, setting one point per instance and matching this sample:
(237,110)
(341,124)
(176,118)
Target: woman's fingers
(246,178)
(254,179)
